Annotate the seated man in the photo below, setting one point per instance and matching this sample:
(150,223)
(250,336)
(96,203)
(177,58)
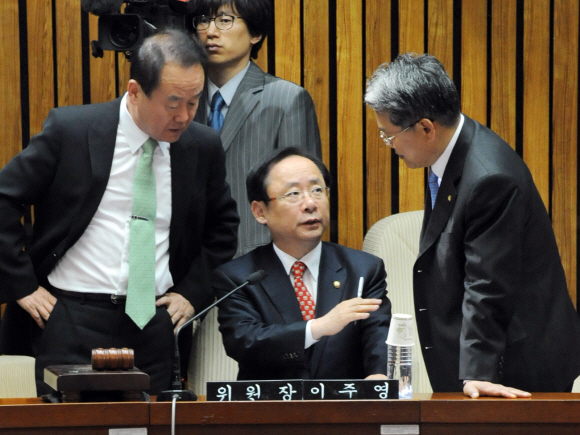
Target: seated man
(331,333)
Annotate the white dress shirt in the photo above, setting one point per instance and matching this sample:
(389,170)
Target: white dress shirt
(439,166)
(310,279)
(99,261)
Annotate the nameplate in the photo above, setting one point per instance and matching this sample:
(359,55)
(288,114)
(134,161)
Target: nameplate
(297,389)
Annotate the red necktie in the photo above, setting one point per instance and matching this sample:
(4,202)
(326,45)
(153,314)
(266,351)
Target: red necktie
(307,305)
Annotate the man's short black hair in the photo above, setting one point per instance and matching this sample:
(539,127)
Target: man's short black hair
(256,179)
(156,51)
(257,14)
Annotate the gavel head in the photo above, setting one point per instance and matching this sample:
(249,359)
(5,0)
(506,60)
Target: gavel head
(112,359)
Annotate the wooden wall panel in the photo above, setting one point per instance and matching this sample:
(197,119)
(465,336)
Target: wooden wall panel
(536,136)
(440,32)
(69,52)
(10,118)
(565,135)
(349,62)
(411,38)
(102,70)
(503,70)
(287,14)
(378,155)
(40,61)
(316,67)
(331,47)
(474,59)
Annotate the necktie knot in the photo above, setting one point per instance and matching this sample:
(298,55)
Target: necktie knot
(149,146)
(216,118)
(433,186)
(298,269)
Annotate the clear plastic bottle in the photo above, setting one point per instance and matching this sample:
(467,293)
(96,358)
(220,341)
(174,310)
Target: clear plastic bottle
(400,366)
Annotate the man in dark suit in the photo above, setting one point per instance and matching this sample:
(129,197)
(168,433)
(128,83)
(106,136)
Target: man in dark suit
(264,326)
(261,113)
(491,299)
(79,173)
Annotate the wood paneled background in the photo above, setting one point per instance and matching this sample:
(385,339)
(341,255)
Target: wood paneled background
(515,63)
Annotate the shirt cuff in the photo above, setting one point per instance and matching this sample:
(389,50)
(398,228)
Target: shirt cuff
(309,339)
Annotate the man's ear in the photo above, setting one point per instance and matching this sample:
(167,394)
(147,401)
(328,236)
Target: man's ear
(258,210)
(427,128)
(133,91)
(255,39)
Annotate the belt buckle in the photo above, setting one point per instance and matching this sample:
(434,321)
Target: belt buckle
(114,299)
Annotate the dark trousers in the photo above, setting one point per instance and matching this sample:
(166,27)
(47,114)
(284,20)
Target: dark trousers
(79,324)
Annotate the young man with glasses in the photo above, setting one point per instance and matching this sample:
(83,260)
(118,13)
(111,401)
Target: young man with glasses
(305,320)
(493,312)
(255,112)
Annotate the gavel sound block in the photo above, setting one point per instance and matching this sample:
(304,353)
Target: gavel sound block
(110,376)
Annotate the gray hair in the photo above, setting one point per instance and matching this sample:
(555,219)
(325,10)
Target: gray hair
(413,87)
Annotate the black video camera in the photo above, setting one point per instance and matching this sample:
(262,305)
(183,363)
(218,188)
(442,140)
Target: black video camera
(140,19)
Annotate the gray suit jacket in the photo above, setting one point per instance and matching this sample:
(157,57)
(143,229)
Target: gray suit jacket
(490,292)
(266,113)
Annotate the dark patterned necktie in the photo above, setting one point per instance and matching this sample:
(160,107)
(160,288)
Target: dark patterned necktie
(216,119)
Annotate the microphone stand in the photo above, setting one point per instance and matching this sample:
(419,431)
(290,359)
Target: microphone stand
(177,392)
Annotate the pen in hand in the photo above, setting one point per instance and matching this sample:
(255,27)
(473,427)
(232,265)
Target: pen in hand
(361,282)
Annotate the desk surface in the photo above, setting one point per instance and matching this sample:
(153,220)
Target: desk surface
(440,413)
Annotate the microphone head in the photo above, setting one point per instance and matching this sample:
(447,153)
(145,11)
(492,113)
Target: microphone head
(101,7)
(256,277)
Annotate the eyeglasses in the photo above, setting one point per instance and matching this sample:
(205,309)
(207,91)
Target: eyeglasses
(222,22)
(294,197)
(389,140)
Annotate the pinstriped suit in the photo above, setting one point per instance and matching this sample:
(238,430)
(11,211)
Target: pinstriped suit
(266,113)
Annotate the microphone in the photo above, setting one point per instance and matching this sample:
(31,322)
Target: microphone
(101,7)
(177,392)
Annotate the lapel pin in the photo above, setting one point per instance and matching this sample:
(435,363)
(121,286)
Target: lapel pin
(336,284)
(449,198)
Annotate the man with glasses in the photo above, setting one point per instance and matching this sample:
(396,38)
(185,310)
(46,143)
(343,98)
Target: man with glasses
(491,299)
(255,113)
(306,319)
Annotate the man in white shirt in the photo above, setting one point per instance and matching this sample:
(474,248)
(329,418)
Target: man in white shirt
(68,287)
(306,319)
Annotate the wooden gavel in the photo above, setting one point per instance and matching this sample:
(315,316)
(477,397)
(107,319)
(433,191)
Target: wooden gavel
(112,359)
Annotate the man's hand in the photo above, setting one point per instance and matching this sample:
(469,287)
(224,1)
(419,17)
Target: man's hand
(39,305)
(376,377)
(341,315)
(474,389)
(178,308)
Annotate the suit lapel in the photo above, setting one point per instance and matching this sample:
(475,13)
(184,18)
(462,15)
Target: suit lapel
(184,156)
(435,221)
(328,296)
(244,101)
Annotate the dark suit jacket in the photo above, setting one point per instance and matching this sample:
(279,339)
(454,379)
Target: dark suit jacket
(491,299)
(64,172)
(263,330)
(266,114)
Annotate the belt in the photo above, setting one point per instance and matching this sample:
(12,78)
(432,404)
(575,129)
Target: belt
(102,297)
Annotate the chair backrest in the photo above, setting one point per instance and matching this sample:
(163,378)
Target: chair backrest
(395,239)
(208,360)
(17,376)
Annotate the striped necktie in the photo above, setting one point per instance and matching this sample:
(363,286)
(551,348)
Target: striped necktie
(433,187)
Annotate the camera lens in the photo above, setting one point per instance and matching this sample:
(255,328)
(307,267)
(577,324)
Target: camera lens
(124,31)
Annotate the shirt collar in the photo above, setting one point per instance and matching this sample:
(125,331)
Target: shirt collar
(311,260)
(134,136)
(439,166)
(229,89)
